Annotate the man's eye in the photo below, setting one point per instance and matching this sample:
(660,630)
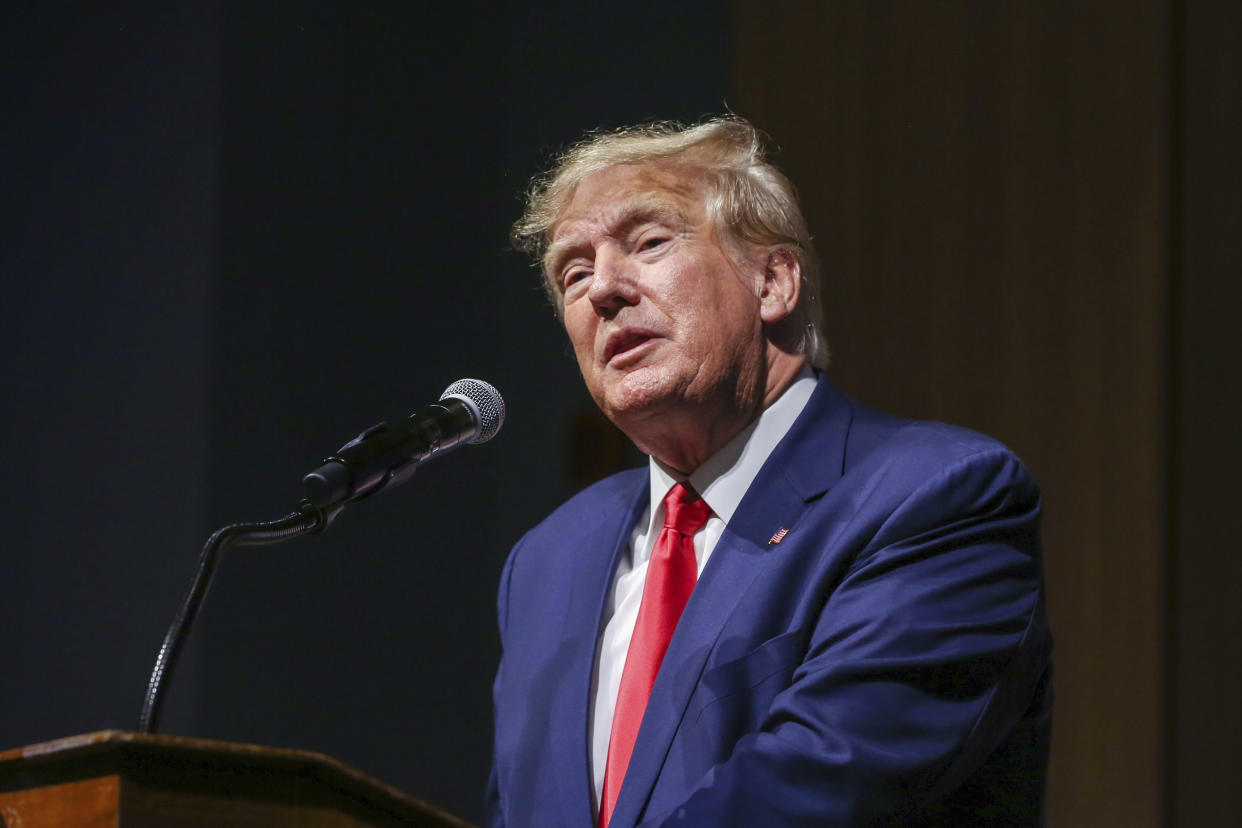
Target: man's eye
(574,276)
(652,242)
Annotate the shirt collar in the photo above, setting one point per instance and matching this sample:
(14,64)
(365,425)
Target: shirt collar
(724,478)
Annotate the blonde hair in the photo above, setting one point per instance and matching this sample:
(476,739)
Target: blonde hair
(751,201)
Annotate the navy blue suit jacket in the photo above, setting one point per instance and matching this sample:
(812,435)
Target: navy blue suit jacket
(886,663)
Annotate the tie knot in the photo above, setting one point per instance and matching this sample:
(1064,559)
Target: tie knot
(684,510)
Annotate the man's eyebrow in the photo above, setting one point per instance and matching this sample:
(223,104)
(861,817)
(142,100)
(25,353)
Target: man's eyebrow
(622,218)
(558,250)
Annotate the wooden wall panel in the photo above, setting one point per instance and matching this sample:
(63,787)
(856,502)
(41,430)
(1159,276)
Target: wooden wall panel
(1207,567)
(987,183)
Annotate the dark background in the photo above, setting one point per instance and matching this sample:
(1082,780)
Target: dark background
(235,234)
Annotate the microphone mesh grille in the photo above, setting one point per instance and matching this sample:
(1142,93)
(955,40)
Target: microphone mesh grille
(485,399)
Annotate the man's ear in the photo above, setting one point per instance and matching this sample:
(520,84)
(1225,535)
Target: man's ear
(782,285)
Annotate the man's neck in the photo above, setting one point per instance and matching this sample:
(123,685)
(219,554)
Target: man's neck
(724,478)
(686,438)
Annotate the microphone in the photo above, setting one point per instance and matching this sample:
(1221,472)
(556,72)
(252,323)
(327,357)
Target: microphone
(469,411)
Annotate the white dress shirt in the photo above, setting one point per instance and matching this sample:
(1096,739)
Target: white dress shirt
(722,481)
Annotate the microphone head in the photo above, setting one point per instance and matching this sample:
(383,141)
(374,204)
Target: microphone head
(484,401)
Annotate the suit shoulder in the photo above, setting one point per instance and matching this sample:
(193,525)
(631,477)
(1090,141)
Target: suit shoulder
(610,497)
(949,442)
(613,492)
(582,531)
(917,452)
(876,433)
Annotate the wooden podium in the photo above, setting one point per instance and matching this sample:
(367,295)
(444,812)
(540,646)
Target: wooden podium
(115,778)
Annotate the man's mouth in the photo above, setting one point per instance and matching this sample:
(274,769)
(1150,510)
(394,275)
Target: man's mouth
(624,343)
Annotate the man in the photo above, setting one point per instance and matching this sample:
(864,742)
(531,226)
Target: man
(802,612)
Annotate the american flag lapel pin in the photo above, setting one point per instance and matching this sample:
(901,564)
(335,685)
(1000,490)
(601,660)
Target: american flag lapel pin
(778,536)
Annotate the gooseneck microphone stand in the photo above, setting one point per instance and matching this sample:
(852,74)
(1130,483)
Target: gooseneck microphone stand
(384,455)
(307,520)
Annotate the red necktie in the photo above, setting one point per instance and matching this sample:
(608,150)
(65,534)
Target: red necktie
(670,579)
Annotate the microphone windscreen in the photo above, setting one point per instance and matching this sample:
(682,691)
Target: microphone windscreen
(484,400)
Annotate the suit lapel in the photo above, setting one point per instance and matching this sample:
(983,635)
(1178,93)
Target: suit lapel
(803,466)
(608,529)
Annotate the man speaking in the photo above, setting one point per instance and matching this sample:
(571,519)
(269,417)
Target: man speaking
(802,612)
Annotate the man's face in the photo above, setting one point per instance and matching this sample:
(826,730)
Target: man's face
(660,313)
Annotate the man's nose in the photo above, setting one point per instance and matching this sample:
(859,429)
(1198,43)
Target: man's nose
(614,284)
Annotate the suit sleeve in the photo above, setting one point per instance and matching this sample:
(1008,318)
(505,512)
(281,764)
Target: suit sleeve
(927,651)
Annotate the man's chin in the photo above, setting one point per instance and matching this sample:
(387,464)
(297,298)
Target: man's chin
(635,399)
